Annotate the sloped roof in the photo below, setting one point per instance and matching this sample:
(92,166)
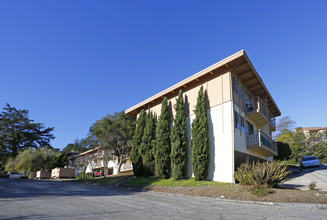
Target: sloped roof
(238,63)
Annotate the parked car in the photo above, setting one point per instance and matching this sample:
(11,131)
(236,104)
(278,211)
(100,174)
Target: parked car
(16,175)
(100,173)
(309,161)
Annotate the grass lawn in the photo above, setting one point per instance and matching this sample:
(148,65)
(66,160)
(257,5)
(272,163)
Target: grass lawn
(110,180)
(154,181)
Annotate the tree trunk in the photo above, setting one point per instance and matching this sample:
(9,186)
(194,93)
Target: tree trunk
(105,172)
(119,163)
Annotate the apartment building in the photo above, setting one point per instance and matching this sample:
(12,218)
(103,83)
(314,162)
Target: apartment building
(94,162)
(241,114)
(319,132)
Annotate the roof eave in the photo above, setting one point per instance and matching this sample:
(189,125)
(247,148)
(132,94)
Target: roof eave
(187,80)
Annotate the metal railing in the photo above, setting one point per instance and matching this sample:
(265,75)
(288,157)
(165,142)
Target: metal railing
(259,138)
(259,106)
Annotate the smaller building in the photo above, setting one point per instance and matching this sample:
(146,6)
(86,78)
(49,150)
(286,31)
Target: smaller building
(32,175)
(60,172)
(319,132)
(42,174)
(94,161)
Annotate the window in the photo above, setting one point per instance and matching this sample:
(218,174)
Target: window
(239,122)
(242,124)
(241,91)
(247,98)
(235,85)
(236,120)
(250,127)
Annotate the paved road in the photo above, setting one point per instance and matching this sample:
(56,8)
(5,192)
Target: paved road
(59,200)
(317,174)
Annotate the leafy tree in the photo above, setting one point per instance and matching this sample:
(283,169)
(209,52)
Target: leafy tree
(18,132)
(10,165)
(299,145)
(61,160)
(284,151)
(163,147)
(285,136)
(90,142)
(32,160)
(200,139)
(115,133)
(136,144)
(147,145)
(321,152)
(178,140)
(74,147)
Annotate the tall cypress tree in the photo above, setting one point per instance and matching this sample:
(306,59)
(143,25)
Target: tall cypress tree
(178,140)
(136,144)
(200,139)
(147,145)
(163,148)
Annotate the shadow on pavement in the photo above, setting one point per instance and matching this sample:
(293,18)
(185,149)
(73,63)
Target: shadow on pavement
(304,171)
(16,188)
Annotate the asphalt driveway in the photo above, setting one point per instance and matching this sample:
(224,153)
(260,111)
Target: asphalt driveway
(316,174)
(29,199)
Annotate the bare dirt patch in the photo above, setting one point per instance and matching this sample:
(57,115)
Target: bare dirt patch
(238,192)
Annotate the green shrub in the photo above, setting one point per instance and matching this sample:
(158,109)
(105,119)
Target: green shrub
(261,175)
(136,156)
(163,147)
(312,185)
(178,140)
(200,139)
(79,176)
(261,191)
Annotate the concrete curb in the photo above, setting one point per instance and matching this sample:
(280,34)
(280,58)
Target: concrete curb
(289,204)
(285,204)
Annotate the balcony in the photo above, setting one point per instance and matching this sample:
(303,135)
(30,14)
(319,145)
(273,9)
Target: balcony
(259,113)
(260,142)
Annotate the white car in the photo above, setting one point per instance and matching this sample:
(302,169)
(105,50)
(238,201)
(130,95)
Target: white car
(309,161)
(16,175)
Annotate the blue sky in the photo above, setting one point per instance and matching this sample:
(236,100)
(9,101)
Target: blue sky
(72,62)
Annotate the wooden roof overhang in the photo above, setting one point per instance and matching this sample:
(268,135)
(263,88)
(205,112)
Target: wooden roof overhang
(250,79)
(239,64)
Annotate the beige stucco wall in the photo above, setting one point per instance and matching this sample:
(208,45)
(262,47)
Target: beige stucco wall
(220,113)
(218,90)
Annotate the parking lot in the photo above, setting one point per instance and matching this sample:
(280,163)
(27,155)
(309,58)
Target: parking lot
(31,199)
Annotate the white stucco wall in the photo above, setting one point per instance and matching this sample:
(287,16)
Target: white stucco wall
(189,170)
(221,164)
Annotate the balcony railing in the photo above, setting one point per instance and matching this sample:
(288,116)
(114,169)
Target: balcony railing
(259,107)
(262,142)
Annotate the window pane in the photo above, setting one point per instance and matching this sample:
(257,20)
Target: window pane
(242,124)
(235,119)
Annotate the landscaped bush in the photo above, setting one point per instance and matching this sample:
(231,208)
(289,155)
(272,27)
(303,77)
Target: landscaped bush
(86,176)
(261,175)
(312,185)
